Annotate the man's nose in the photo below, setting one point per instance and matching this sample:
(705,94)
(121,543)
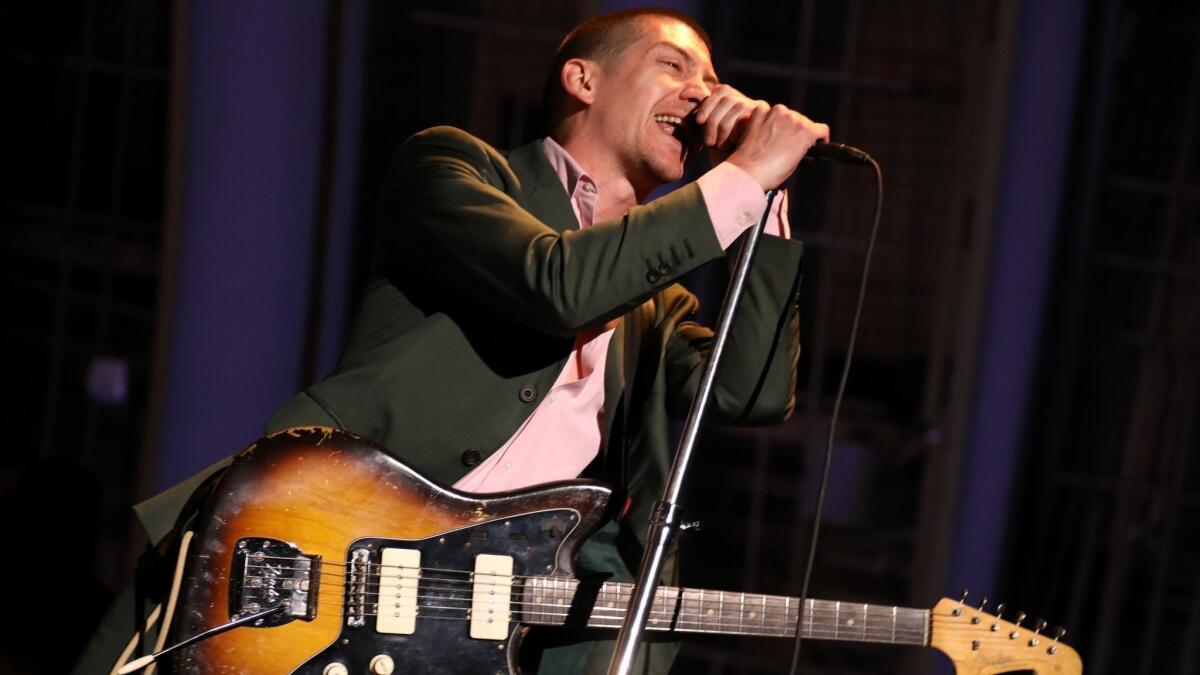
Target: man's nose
(696,91)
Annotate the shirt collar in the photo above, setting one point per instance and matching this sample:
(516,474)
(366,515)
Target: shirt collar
(569,171)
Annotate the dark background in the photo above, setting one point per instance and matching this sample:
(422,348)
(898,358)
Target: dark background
(187,201)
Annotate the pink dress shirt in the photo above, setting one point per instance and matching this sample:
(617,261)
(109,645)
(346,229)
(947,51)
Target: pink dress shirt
(563,434)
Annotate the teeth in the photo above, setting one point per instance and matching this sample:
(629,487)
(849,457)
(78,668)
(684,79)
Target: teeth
(670,119)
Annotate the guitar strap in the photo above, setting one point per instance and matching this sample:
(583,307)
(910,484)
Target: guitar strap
(152,575)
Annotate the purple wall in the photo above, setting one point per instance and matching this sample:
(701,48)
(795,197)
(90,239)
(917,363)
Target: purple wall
(255,102)
(1030,195)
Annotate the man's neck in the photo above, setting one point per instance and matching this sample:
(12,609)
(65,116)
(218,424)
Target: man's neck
(616,194)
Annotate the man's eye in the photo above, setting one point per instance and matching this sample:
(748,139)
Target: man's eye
(671,64)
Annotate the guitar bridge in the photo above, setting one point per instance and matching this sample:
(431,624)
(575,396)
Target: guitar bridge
(268,573)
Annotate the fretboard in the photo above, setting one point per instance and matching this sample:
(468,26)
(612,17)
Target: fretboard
(549,601)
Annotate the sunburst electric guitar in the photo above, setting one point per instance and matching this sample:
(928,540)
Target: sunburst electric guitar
(347,561)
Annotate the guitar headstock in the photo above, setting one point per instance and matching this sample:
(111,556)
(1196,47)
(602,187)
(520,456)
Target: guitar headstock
(982,643)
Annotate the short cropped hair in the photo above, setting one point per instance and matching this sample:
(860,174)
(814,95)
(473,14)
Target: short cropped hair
(602,38)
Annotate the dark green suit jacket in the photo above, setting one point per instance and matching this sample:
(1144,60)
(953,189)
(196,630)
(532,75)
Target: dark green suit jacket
(483,279)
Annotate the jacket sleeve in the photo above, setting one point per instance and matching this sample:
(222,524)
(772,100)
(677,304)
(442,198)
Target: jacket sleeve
(448,217)
(756,380)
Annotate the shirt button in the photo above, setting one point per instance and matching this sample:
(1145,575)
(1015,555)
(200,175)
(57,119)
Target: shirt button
(745,219)
(527,393)
(588,187)
(471,457)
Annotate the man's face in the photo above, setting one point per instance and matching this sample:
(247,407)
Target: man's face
(646,93)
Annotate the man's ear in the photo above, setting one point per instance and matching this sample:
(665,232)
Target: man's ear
(579,80)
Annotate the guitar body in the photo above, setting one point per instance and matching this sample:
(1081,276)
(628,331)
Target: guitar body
(303,516)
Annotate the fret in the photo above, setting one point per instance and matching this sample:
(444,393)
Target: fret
(894,624)
(742,614)
(762,617)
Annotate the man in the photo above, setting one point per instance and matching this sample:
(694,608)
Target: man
(524,324)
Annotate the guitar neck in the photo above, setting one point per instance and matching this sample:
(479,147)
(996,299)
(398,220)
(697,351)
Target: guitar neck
(551,601)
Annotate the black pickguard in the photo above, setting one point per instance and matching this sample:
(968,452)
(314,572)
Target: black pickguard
(441,644)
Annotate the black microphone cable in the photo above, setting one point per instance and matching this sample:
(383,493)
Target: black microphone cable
(837,405)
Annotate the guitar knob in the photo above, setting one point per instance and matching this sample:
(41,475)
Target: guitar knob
(1058,634)
(335,668)
(957,611)
(1038,627)
(978,618)
(382,664)
(1016,633)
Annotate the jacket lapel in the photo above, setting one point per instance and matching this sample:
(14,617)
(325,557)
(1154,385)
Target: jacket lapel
(541,188)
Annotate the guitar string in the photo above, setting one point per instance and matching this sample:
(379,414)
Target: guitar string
(700,622)
(770,605)
(819,609)
(756,609)
(774,628)
(544,582)
(378,566)
(684,619)
(730,627)
(699,612)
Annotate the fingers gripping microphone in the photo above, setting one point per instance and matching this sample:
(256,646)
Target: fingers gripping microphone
(837,152)
(692,136)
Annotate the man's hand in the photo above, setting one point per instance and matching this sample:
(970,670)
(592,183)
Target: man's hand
(764,140)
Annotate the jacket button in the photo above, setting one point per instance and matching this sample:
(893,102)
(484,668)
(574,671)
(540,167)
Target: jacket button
(665,269)
(471,457)
(527,393)
(653,276)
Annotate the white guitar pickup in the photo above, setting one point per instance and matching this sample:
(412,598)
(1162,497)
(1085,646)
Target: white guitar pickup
(399,574)
(491,596)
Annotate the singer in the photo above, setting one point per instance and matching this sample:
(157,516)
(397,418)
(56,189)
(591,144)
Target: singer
(525,323)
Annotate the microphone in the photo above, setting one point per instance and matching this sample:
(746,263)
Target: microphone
(692,137)
(837,152)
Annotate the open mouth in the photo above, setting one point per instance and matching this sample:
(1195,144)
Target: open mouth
(680,128)
(669,124)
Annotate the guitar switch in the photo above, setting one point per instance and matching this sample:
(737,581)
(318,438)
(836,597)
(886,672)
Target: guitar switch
(382,664)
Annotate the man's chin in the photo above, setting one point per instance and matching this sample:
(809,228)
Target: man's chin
(669,172)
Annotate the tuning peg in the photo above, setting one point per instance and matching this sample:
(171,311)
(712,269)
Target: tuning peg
(999,615)
(957,611)
(1038,626)
(977,618)
(1058,633)
(1014,634)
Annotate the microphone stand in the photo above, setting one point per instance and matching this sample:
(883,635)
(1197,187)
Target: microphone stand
(664,517)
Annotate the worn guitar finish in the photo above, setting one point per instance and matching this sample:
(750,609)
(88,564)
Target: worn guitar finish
(322,491)
(371,568)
